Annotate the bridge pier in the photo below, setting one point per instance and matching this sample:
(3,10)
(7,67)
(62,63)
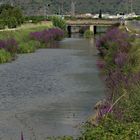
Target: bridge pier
(93,28)
(69,30)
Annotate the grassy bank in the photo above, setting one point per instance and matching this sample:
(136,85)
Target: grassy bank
(21,33)
(118,116)
(21,40)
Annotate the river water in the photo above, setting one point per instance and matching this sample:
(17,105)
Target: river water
(50,92)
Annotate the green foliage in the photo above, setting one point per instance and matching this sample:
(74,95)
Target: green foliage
(132,104)
(120,120)
(88,34)
(5,7)
(21,42)
(111,129)
(12,16)
(35,19)
(2,24)
(4,56)
(59,22)
(135,18)
(12,22)
(27,47)
(17,13)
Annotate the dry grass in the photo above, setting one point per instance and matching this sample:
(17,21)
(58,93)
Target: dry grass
(30,26)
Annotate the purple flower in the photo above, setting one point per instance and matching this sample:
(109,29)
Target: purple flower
(9,45)
(2,44)
(121,59)
(115,78)
(48,36)
(101,64)
(104,109)
(117,38)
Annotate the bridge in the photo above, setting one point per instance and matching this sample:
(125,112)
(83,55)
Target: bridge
(74,25)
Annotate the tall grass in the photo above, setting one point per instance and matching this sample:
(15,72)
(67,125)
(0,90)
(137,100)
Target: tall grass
(5,56)
(118,116)
(20,41)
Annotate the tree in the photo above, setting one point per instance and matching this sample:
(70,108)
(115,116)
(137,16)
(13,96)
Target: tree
(100,13)
(12,16)
(5,7)
(59,22)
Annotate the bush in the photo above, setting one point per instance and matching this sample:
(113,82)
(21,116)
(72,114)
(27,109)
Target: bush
(34,19)
(17,14)
(110,129)
(11,15)
(59,22)
(4,56)
(135,18)
(2,24)
(10,45)
(114,39)
(27,47)
(121,67)
(47,37)
(88,34)
(12,22)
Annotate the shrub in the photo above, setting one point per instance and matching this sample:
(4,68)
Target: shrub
(10,45)
(17,14)
(88,34)
(47,37)
(35,19)
(59,22)
(12,22)
(4,56)
(11,15)
(111,129)
(118,116)
(27,47)
(2,24)
(113,39)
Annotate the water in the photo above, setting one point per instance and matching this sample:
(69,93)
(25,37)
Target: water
(134,24)
(50,92)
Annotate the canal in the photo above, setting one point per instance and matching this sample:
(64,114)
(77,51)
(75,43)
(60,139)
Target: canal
(50,92)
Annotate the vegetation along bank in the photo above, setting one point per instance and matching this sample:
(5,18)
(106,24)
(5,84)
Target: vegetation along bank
(118,116)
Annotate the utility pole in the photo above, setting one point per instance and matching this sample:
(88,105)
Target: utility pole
(127,7)
(44,10)
(100,11)
(131,2)
(62,7)
(11,3)
(73,3)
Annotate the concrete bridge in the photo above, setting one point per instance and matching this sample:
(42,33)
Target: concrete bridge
(75,25)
